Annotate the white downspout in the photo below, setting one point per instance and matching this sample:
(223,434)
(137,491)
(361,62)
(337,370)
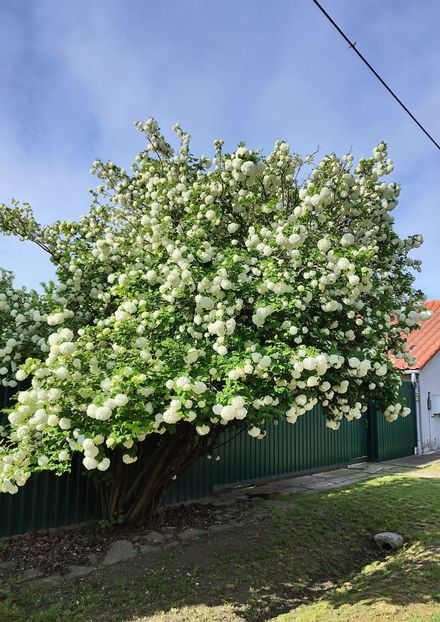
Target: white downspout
(415,379)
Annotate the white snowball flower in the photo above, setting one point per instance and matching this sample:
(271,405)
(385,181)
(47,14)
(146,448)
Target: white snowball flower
(20,375)
(127,459)
(347,239)
(254,431)
(324,245)
(104,464)
(120,399)
(90,463)
(202,430)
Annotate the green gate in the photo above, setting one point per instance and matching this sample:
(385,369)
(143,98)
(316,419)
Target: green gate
(398,438)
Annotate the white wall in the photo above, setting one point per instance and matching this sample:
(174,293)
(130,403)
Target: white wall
(430,382)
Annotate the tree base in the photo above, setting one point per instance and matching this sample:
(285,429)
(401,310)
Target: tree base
(135,491)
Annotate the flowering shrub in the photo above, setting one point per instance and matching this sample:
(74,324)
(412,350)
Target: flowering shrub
(201,294)
(23,326)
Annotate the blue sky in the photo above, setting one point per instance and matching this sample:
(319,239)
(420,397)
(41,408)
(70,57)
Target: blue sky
(75,75)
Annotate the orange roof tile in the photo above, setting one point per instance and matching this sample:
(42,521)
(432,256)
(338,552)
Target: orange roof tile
(424,342)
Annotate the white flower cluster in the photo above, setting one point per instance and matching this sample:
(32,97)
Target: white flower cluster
(23,327)
(392,412)
(208,292)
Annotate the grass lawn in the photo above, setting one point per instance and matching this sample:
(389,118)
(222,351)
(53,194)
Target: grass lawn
(308,559)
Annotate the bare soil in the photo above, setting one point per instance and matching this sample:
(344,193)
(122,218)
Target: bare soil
(52,551)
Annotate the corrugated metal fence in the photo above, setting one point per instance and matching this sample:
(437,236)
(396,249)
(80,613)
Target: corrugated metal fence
(398,439)
(50,501)
(307,445)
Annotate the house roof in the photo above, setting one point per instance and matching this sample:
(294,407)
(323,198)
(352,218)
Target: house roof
(424,342)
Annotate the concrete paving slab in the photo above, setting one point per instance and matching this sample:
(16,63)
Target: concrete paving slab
(325,480)
(292,489)
(358,465)
(320,485)
(417,461)
(374,468)
(334,476)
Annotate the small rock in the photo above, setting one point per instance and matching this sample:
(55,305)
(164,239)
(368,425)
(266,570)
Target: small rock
(220,528)
(119,551)
(205,501)
(219,503)
(170,545)
(43,582)
(191,533)
(238,523)
(79,571)
(52,579)
(169,530)
(30,574)
(155,537)
(148,548)
(244,497)
(93,559)
(388,540)
(6,569)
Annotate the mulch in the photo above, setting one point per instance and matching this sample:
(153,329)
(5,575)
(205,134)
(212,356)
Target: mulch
(52,551)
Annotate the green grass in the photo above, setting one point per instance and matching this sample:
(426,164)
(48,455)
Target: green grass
(311,560)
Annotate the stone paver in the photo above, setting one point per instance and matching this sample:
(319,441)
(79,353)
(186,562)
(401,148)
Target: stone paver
(326,480)
(171,544)
(30,574)
(334,475)
(358,465)
(148,549)
(119,551)
(220,528)
(79,571)
(6,569)
(43,583)
(191,533)
(416,461)
(324,484)
(154,537)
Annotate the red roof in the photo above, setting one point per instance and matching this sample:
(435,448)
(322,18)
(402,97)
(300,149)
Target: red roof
(424,342)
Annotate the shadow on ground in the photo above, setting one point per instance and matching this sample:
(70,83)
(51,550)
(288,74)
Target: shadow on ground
(289,553)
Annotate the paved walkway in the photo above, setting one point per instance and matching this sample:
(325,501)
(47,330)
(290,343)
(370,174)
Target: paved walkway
(336,478)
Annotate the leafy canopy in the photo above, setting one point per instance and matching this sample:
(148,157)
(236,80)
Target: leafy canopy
(218,293)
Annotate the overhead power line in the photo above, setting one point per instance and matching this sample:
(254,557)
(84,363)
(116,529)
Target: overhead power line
(381,80)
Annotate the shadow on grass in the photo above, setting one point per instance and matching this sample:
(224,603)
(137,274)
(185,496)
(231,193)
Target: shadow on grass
(409,577)
(319,546)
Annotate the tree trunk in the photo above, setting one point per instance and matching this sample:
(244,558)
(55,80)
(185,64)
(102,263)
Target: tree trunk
(135,491)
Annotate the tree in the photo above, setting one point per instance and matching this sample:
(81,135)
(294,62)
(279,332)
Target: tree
(197,296)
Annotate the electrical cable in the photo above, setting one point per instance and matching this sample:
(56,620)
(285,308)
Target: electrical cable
(364,60)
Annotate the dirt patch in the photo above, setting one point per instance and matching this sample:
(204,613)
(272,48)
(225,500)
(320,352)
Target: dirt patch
(52,551)
(255,571)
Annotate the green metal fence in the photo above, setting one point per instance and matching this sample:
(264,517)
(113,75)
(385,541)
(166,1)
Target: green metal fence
(308,445)
(49,501)
(395,439)
(305,446)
